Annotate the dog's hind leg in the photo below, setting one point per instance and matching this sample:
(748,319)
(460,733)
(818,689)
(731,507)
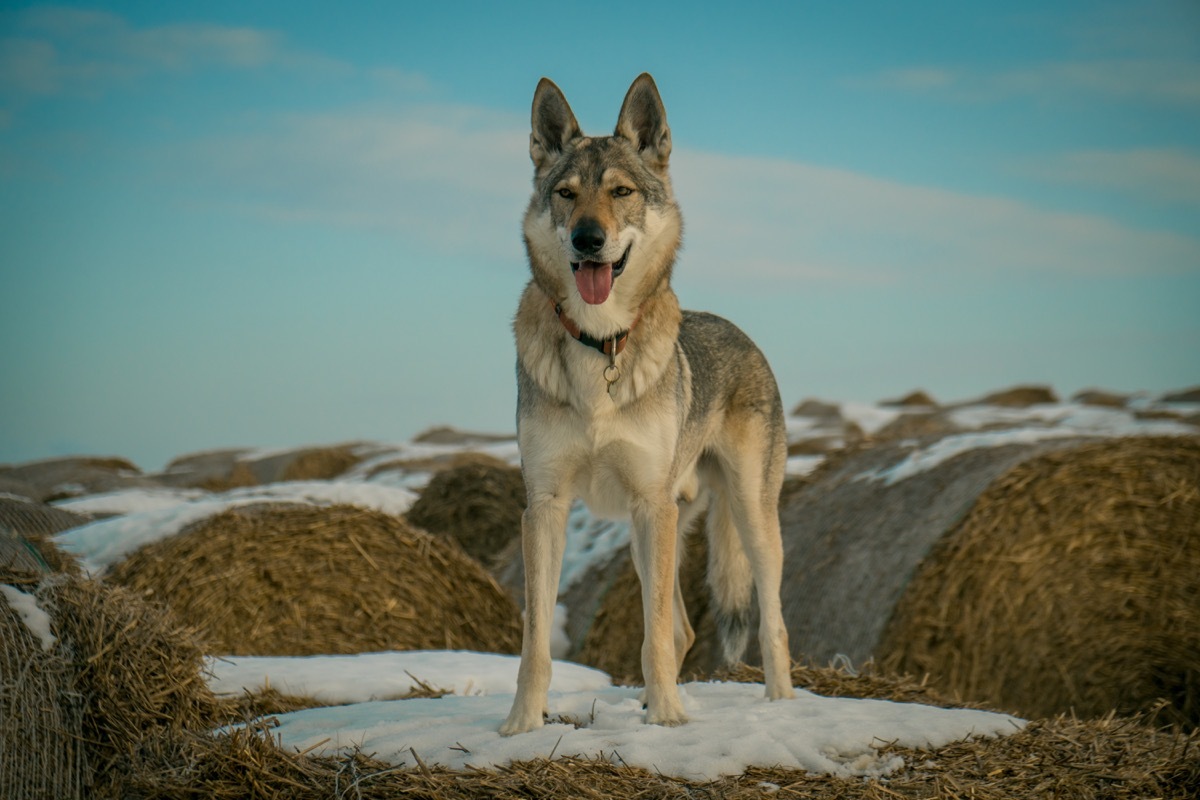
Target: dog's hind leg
(653,545)
(753,496)
(729,577)
(685,636)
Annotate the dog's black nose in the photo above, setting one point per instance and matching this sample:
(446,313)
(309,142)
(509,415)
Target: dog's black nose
(588,237)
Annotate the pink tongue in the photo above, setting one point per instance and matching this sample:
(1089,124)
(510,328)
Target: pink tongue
(594,282)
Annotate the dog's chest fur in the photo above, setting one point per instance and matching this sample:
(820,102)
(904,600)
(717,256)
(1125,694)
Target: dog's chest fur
(608,449)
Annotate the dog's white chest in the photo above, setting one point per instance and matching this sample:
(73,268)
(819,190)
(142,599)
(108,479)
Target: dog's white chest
(624,456)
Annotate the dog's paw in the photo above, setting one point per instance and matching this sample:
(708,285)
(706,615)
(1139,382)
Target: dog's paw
(664,708)
(668,718)
(520,721)
(785,692)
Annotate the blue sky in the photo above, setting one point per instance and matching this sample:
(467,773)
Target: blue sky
(275,224)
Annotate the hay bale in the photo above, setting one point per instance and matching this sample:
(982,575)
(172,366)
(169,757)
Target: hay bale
(915,425)
(58,478)
(852,542)
(444,434)
(138,673)
(1189,395)
(320,463)
(41,728)
(122,684)
(819,409)
(304,580)
(1100,397)
(477,503)
(1073,584)
(211,470)
(302,464)
(35,523)
(918,398)
(1018,397)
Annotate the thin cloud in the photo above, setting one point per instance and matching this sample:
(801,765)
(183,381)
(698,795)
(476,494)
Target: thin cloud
(457,178)
(65,50)
(1160,81)
(453,177)
(1138,54)
(808,221)
(1161,176)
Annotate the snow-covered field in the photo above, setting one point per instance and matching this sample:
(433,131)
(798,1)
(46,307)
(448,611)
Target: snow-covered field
(732,727)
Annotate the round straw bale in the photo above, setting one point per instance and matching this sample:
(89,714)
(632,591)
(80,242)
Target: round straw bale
(41,727)
(213,470)
(444,434)
(56,478)
(1018,397)
(918,398)
(477,503)
(812,407)
(120,683)
(1100,397)
(853,539)
(1072,585)
(320,463)
(1189,395)
(36,523)
(136,671)
(917,426)
(303,580)
(303,464)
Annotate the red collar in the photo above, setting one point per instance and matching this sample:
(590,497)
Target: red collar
(611,346)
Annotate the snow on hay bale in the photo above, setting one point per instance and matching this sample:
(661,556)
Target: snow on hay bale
(118,684)
(477,502)
(1074,583)
(302,580)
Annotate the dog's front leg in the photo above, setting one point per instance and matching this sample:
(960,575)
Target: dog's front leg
(653,546)
(543,534)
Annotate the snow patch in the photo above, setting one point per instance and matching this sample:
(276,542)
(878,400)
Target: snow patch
(32,614)
(732,726)
(381,676)
(103,543)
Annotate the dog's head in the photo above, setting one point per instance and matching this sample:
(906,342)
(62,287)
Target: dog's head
(602,207)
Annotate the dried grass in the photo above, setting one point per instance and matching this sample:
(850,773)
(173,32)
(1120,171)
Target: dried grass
(1073,584)
(303,580)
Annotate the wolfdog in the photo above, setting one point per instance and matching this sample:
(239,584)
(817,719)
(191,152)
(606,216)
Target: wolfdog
(647,412)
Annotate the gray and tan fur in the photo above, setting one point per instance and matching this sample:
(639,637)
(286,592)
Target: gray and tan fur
(691,424)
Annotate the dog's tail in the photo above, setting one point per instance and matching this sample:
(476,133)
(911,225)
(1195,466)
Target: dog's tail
(729,578)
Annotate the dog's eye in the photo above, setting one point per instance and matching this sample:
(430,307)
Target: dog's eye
(566,194)
(622,191)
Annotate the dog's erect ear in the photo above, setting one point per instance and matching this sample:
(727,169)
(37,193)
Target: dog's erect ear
(643,121)
(553,124)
